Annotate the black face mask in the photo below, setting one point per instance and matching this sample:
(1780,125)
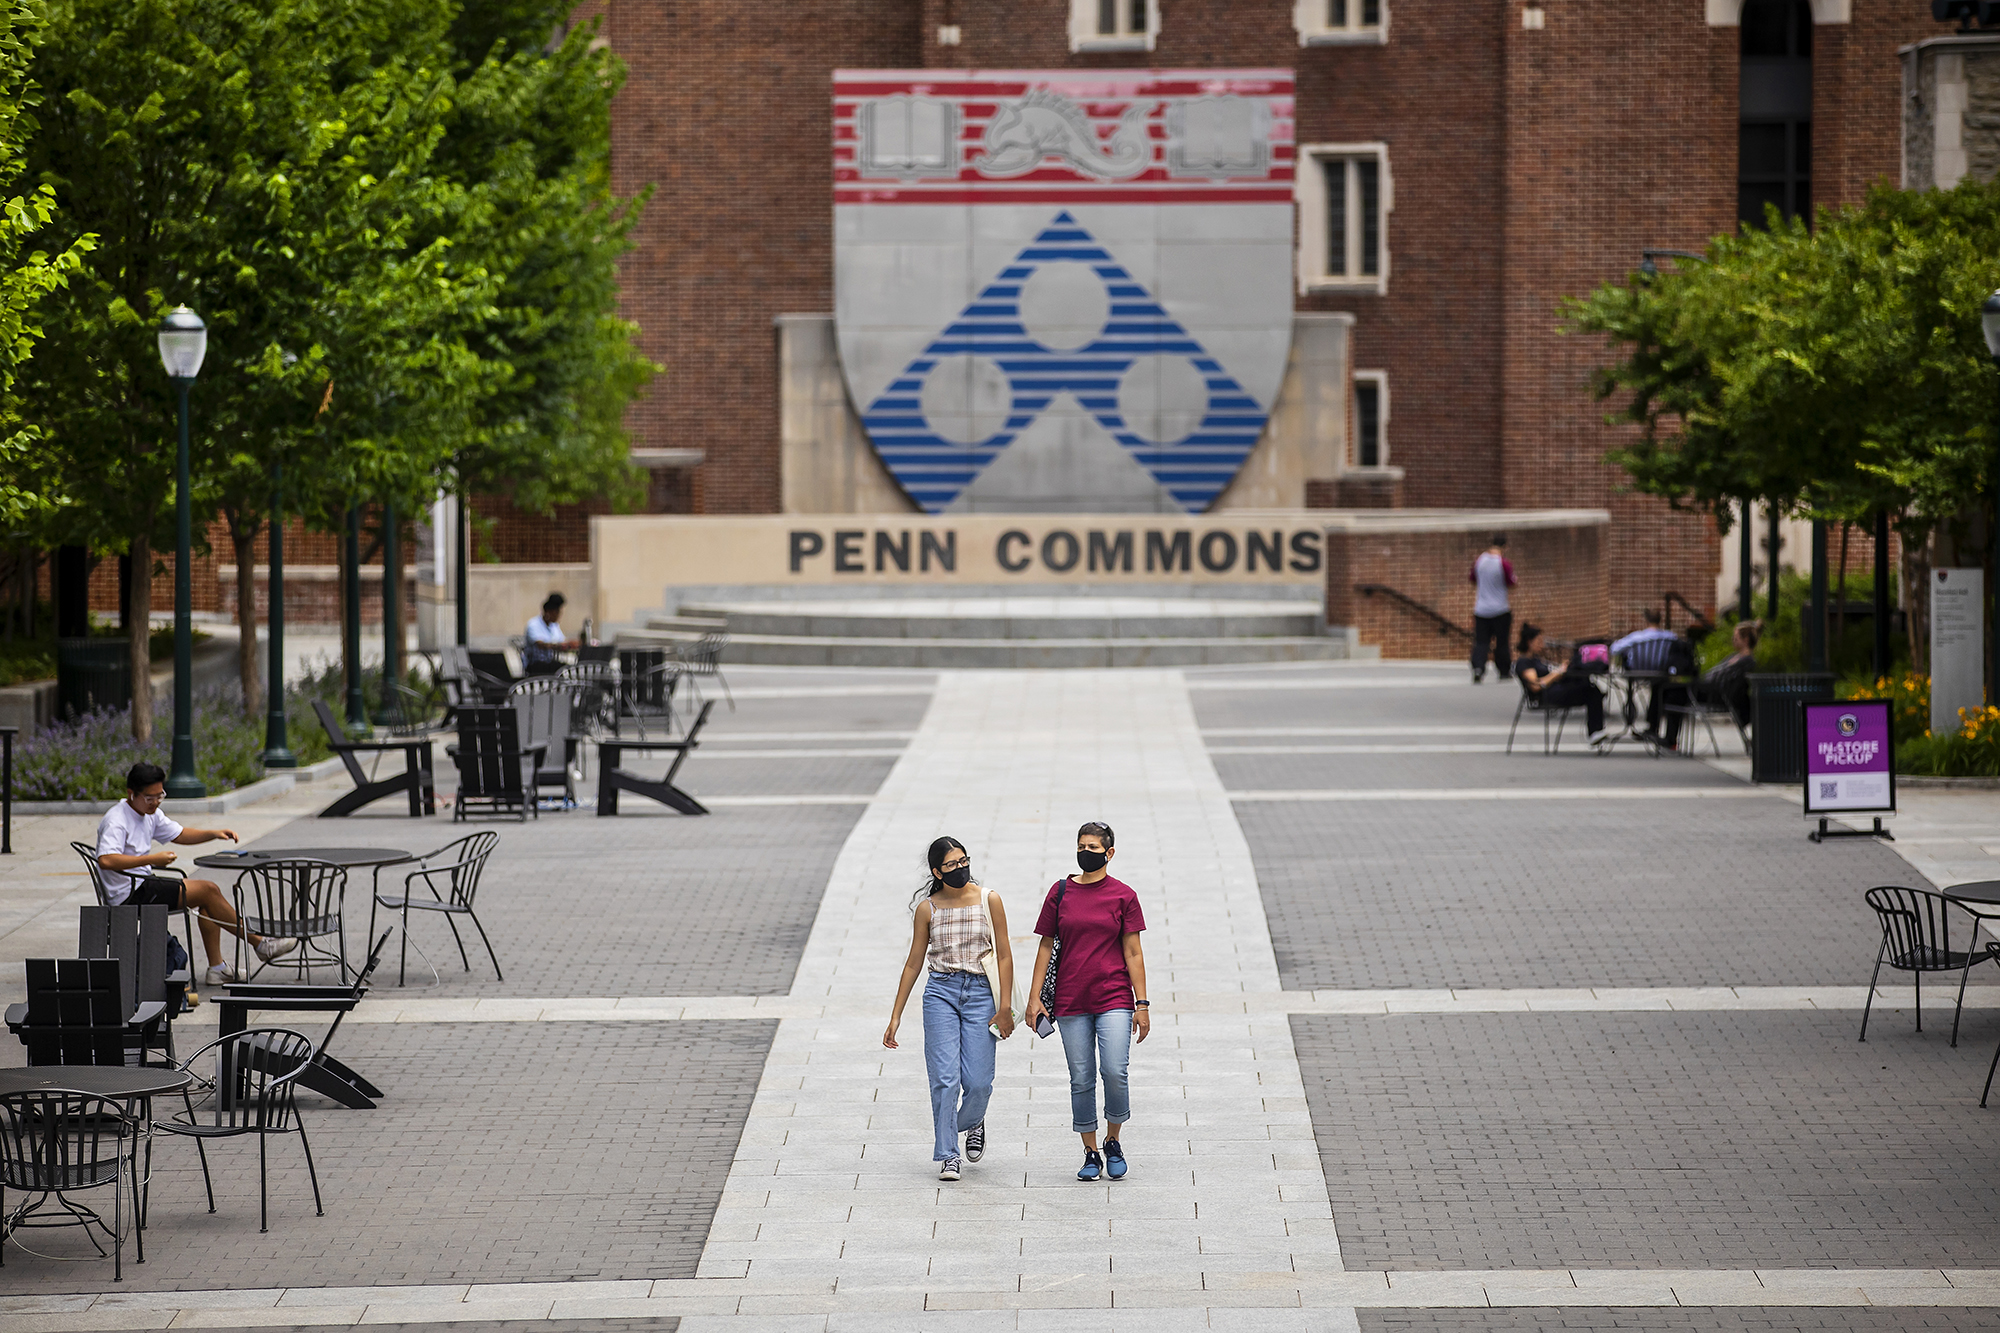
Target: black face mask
(958,878)
(1091,861)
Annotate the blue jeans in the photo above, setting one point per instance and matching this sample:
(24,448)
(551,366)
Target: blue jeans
(1094,1044)
(958,1048)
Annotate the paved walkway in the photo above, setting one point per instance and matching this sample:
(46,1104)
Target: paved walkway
(1444,1039)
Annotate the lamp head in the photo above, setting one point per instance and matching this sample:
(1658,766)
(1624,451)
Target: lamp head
(183,343)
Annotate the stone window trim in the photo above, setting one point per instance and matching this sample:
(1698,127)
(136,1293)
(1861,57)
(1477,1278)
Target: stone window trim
(1309,191)
(1729,13)
(1312,20)
(1085,27)
(1378,381)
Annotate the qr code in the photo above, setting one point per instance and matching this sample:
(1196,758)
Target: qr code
(1829,791)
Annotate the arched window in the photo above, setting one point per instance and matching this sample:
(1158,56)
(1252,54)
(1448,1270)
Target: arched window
(1774,134)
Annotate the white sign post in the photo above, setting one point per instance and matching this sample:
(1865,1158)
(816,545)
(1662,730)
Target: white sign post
(1958,645)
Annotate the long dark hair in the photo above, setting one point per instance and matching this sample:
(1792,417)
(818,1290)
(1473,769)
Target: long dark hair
(939,850)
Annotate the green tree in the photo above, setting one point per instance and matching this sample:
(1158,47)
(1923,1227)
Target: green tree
(1831,371)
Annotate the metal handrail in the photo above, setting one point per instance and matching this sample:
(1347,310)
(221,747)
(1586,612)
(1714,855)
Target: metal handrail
(1667,600)
(1445,625)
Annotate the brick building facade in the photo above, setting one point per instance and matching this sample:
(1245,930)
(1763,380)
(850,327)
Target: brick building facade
(1531,152)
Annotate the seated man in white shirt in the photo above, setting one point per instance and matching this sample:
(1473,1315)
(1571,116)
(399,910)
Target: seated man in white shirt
(125,839)
(1652,632)
(545,638)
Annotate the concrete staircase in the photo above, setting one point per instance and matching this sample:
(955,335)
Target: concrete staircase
(1000,629)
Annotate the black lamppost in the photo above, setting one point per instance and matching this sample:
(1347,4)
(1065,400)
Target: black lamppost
(357,710)
(183,342)
(1989,323)
(277,754)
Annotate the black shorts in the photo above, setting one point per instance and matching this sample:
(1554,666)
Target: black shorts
(157,889)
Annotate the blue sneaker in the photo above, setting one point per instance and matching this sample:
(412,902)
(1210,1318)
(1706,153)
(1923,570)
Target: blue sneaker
(1093,1166)
(1114,1159)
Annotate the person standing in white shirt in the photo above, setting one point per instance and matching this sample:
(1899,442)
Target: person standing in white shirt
(1492,612)
(544,638)
(125,838)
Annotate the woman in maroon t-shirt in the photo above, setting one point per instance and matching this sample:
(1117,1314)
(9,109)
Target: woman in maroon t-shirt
(1100,993)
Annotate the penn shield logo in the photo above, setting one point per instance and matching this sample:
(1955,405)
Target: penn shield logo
(1144,378)
(1063,290)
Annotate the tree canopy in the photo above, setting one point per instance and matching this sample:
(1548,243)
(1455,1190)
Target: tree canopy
(1830,370)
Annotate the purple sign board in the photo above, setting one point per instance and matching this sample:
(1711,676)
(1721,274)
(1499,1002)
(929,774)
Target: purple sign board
(1850,759)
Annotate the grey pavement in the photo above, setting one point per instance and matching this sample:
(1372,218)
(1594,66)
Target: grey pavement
(1687,1141)
(515,1152)
(1752,1319)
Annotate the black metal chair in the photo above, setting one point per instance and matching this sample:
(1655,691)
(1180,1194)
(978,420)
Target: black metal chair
(89,855)
(1532,703)
(256,1092)
(1916,938)
(545,706)
(80,1011)
(294,899)
(703,658)
(1693,703)
(457,866)
(491,672)
(495,775)
(58,1143)
(137,938)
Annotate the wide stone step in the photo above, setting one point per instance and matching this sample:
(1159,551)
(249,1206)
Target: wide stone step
(842,650)
(1034,618)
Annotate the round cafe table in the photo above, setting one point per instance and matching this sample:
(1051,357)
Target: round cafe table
(115,1082)
(350,857)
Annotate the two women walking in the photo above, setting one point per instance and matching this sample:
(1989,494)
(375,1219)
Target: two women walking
(1089,983)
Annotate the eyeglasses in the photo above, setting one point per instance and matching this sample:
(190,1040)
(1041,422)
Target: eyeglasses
(154,796)
(961,863)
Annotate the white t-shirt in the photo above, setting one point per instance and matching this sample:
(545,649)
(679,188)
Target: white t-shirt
(125,832)
(541,631)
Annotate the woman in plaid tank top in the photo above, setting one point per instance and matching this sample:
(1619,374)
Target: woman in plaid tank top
(962,1022)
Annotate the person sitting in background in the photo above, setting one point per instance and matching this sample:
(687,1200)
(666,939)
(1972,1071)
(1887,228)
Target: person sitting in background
(544,638)
(1726,683)
(1645,659)
(125,838)
(1553,687)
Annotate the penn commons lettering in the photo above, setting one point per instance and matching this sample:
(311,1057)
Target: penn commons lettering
(862,551)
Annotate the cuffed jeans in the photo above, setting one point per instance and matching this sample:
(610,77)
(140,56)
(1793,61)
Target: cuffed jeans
(1098,1044)
(958,1048)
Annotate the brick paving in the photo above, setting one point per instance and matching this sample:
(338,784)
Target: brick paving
(1579,893)
(510,1152)
(1709,1140)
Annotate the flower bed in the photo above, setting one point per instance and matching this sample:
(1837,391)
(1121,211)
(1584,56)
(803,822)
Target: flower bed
(1970,751)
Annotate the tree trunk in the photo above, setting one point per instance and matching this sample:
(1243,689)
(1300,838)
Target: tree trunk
(1916,571)
(139,615)
(243,538)
(1840,609)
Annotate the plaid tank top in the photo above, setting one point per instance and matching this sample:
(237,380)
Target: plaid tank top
(958,936)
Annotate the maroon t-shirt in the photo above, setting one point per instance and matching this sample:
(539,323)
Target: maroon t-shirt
(1090,974)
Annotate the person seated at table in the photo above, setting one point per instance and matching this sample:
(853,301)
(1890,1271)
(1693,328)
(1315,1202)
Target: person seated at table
(1726,683)
(1553,687)
(125,838)
(544,638)
(1646,659)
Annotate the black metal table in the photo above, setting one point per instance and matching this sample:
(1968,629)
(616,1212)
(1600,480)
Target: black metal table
(351,857)
(1980,897)
(118,1083)
(325,1075)
(611,779)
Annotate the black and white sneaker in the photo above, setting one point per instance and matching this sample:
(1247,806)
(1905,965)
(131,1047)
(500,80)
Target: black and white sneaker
(975,1142)
(949,1168)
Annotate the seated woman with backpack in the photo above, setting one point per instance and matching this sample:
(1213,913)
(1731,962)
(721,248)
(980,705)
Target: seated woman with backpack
(1726,683)
(1552,686)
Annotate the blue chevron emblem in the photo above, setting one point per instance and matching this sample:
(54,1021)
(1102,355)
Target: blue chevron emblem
(1194,468)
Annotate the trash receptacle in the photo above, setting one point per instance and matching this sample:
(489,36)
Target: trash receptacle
(92,673)
(1778,735)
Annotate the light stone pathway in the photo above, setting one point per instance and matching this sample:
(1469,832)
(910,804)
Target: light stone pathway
(833,1202)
